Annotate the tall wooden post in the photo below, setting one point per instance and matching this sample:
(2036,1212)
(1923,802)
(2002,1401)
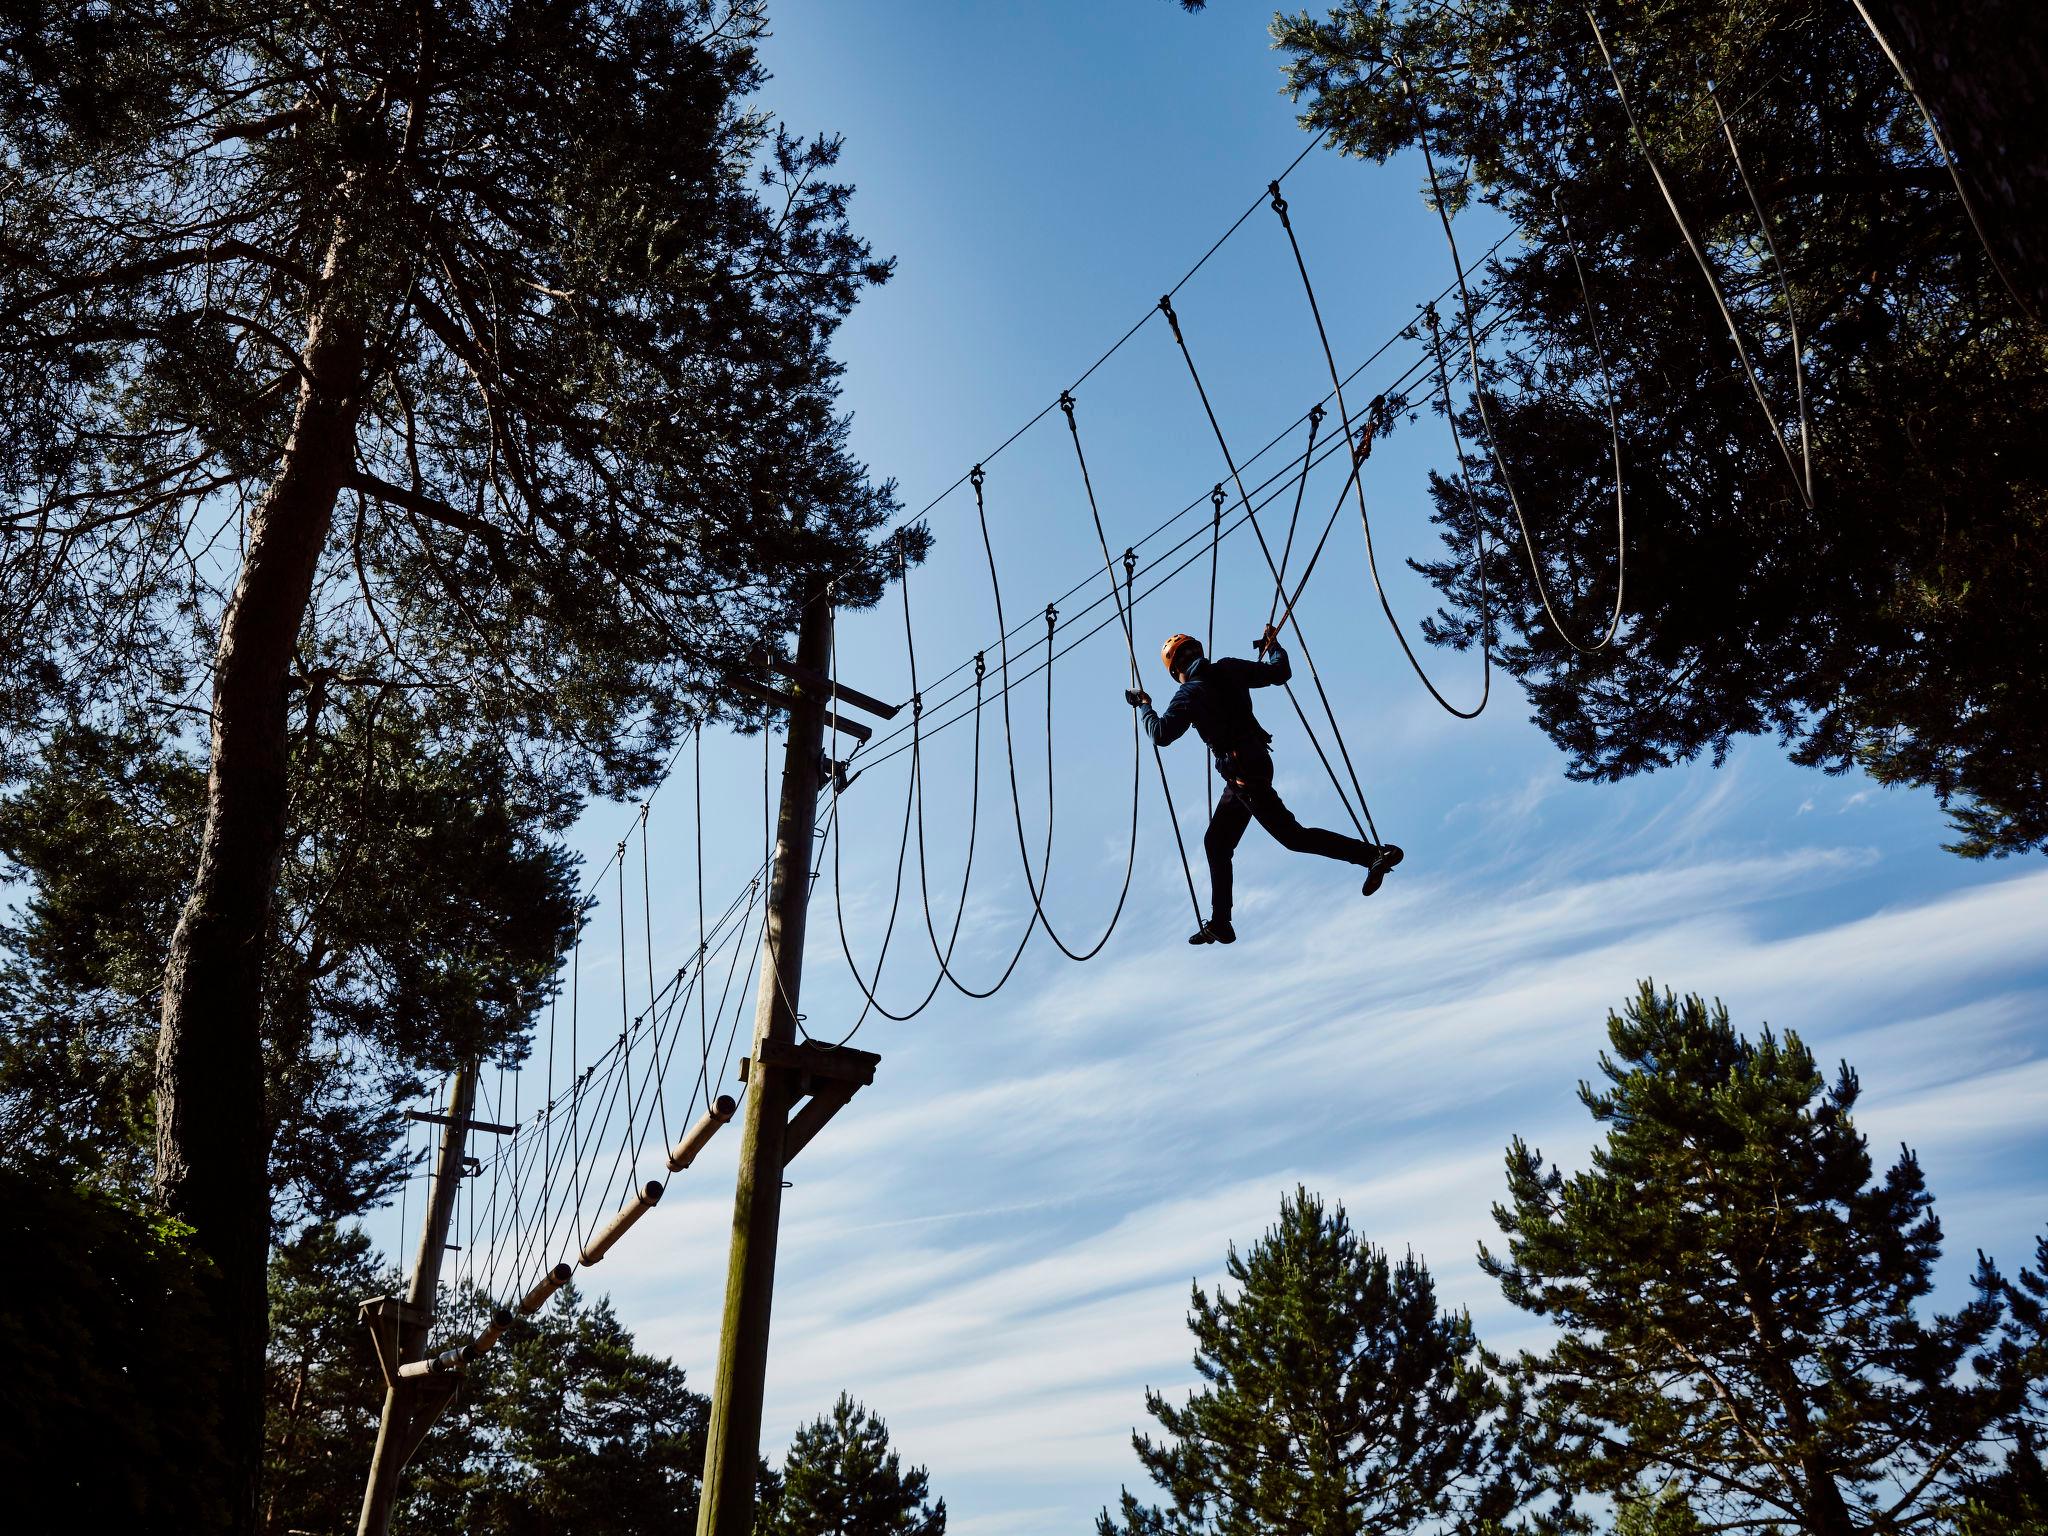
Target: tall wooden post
(401,1330)
(733,1454)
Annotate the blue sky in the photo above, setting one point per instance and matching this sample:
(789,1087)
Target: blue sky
(993,1245)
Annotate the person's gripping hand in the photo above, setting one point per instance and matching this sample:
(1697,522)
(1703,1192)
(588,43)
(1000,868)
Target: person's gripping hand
(1137,698)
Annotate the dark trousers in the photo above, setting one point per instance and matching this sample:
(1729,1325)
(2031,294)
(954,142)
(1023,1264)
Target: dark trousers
(1249,796)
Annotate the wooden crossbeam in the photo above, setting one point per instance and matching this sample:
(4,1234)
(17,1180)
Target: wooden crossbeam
(839,691)
(781,700)
(466,1124)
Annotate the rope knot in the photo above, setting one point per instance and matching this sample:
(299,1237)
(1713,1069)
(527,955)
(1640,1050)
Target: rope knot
(1315,415)
(1216,500)
(1279,202)
(1429,315)
(1052,617)
(1130,564)
(980,667)
(917,706)
(975,477)
(1166,309)
(1067,404)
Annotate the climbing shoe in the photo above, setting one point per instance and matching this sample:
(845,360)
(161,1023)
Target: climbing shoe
(1214,931)
(1376,872)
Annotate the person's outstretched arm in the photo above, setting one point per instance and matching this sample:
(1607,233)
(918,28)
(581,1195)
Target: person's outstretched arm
(1271,668)
(1163,729)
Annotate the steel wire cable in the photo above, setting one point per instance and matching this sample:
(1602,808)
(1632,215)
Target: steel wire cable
(1386,345)
(1308,658)
(1699,256)
(1230,527)
(1037,886)
(1948,159)
(1125,618)
(1439,202)
(1763,224)
(945,958)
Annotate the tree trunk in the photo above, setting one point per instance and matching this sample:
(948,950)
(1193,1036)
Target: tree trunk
(212,1130)
(1980,69)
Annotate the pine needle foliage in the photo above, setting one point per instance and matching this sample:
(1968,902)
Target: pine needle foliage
(1337,1398)
(842,1478)
(1738,1296)
(1896,625)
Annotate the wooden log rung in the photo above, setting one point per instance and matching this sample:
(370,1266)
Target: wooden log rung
(548,1284)
(621,1222)
(694,1140)
(443,1364)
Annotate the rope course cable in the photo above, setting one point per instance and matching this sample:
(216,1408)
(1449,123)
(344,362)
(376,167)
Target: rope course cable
(1778,270)
(1125,617)
(1948,158)
(1441,203)
(1231,526)
(1280,584)
(1699,256)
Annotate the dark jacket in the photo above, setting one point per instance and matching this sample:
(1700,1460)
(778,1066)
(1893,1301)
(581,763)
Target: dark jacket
(1216,702)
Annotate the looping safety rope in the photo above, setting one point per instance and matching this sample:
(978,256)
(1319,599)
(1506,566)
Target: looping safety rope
(1301,639)
(1699,256)
(1125,612)
(1507,482)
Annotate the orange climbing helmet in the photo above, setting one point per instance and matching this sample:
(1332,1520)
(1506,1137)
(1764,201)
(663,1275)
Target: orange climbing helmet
(1175,645)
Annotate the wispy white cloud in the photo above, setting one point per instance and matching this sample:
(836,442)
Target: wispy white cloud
(996,1249)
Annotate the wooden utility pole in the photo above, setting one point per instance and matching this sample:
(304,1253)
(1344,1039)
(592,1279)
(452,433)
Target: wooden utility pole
(780,1072)
(400,1328)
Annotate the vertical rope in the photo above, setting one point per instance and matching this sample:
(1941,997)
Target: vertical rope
(1308,659)
(1126,615)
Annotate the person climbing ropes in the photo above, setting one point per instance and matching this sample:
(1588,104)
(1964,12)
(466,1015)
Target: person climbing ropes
(1214,698)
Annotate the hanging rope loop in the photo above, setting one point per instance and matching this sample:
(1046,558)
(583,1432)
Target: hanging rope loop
(1166,309)
(1279,202)
(1316,413)
(1130,566)
(980,667)
(1216,502)
(1067,405)
(1052,619)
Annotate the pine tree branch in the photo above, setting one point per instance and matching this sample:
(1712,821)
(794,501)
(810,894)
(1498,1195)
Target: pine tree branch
(221,253)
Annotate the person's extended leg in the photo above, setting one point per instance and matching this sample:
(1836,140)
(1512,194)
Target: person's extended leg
(1226,829)
(1289,833)
(1265,803)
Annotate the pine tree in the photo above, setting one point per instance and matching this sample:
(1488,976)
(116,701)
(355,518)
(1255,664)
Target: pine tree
(468,352)
(1338,1399)
(324,1384)
(1896,626)
(108,1396)
(842,1478)
(421,908)
(1736,1293)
